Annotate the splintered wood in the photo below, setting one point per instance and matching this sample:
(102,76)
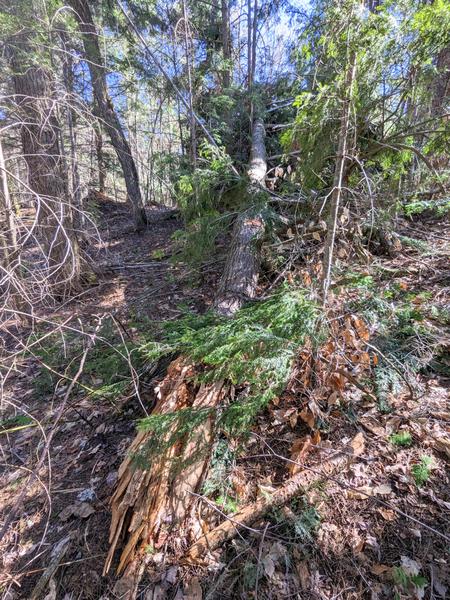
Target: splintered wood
(151,503)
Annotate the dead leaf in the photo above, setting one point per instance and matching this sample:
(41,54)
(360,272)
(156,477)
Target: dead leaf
(303,573)
(410,566)
(299,450)
(193,589)
(358,444)
(307,416)
(83,510)
(380,569)
(269,566)
(382,490)
(387,514)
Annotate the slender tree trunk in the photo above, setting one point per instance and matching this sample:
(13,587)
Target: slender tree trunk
(187,48)
(7,206)
(14,296)
(106,110)
(249,45)
(100,158)
(338,177)
(77,201)
(226,43)
(40,134)
(441,89)
(254,41)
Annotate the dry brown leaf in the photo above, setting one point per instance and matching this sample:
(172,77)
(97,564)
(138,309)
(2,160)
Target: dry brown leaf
(361,328)
(303,573)
(383,489)
(300,449)
(307,416)
(387,514)
(380,569)
(358,444)
(193,589)
(83,510)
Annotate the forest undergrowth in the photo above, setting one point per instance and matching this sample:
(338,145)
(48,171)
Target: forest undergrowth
(369,377)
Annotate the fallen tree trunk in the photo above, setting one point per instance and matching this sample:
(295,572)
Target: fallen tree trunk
(154,506)
(251,513)
(240,277)
(151,503)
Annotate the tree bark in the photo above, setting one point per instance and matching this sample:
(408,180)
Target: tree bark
(226,43)
(249,45)
(78,216)
(338,178)
(9,271)
(441,89)
(150,504)
(34,101)
(188,52)
(105,108)
(240,277)
(100,158)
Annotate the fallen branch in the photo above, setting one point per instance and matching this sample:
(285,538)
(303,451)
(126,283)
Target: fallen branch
(57,554)
(251,513)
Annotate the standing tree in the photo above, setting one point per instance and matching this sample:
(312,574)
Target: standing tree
(105,108)
(35,107)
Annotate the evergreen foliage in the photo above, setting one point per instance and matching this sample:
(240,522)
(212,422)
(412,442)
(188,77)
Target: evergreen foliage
(254,351)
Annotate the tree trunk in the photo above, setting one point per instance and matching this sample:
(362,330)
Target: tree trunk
(12,292)
(150,504)
(78,216)
(188,51)
(254,41)
(338,178)
(34,98)
(240,277)
(100,158)
(226,43)
(441,89)
(106,110)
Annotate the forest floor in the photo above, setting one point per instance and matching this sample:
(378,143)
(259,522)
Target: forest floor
(375,530)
